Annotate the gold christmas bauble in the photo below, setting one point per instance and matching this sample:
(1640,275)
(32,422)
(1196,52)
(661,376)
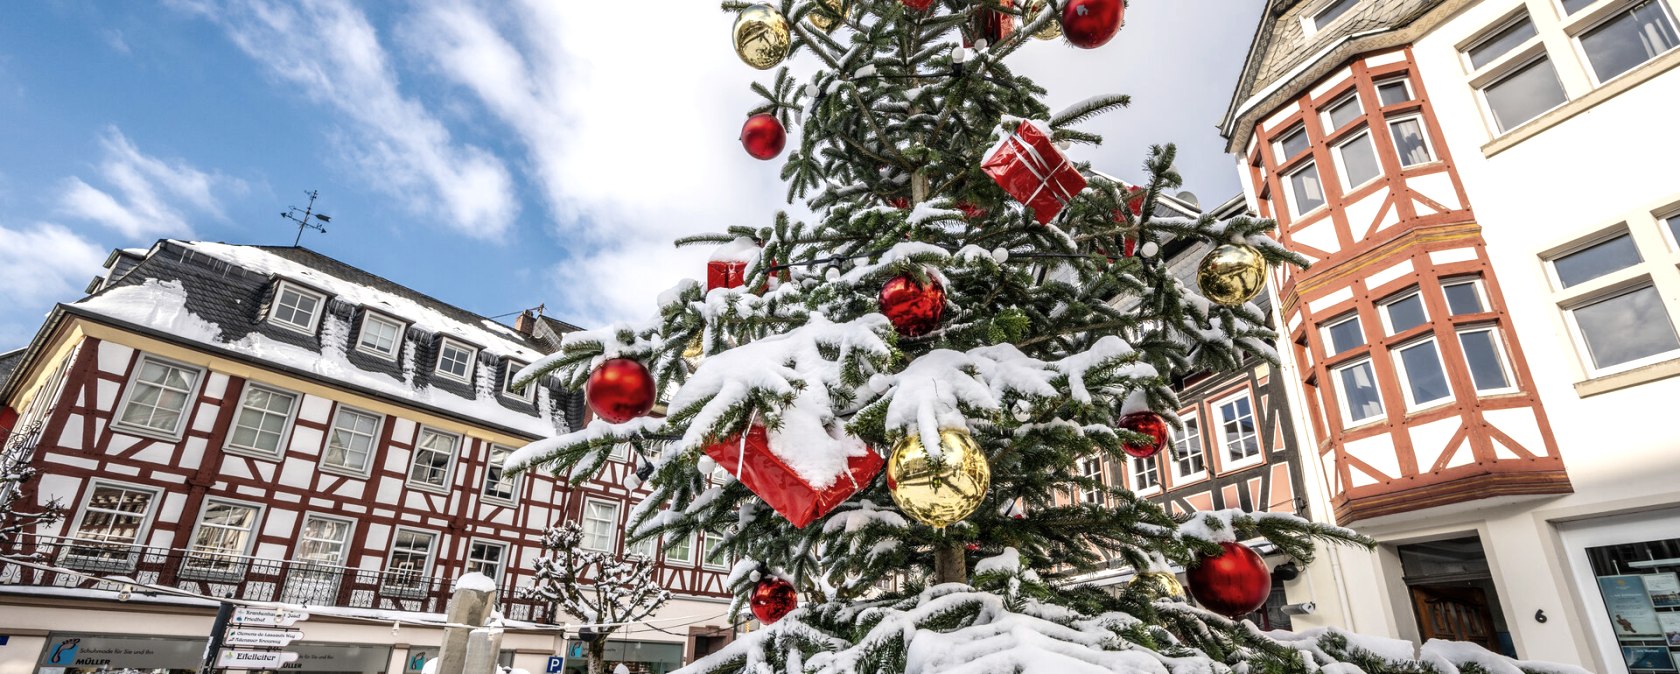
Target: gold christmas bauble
(1232,274)
(694,353)
(1051,30)
(826,21)
(1159,585)
(762,36)
(942,491)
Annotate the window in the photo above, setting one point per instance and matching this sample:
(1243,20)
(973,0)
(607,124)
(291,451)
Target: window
(1357,385)
(1357,160)
(1291,143)
(1423,380)
(264,415)
(379,336)
(1626,329)
(350,445)
(714,558)
(600,525)
(1342,112)
(1485,358)
(1573,6)
(680,550)
(410,561)
(1404,313)
(1464,296)
(433,456)
(645,548)
(1409,141)
(1596,260)
(1523,94)
(455,360)
(1673,222)
(497,484)
(487,558)
(295,308)
(112,523)
(158,397)
(510,369)
(222,538)
(1305,192)
(1090,468)
(1188,458)
(1631,37)
(1146,474)
(324,541)
(1330,12)
(1394,91)
(1501,41)
(1237,427)
(1343,335)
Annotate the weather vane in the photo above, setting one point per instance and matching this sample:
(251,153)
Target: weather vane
(303,221)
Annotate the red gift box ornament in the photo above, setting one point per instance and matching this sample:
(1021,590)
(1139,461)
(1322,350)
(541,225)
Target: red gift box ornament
(1030,167)
(748,457)
(727,267)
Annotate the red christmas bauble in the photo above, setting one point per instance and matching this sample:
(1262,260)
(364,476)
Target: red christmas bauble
(763,136)
(1092,23)
(1147,423)
(1233,583)
(972,547)
(971,211)
(918,5)
(913,308)
(773,598)
(619,390)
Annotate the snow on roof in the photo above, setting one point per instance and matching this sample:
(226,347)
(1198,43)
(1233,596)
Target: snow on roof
(162,306)
(422,316)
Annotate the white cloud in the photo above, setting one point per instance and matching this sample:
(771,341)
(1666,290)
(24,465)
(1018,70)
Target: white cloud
(40,264)
(327,51)
(144,195)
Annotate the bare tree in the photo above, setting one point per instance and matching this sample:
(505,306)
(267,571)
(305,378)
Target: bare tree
(604,590)
(15,475)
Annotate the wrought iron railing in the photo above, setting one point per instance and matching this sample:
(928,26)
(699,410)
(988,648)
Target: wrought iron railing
(79,563)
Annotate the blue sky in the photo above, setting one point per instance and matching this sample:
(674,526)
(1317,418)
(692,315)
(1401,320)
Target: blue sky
(495,155)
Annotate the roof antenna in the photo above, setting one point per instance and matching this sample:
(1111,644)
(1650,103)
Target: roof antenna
(303,221)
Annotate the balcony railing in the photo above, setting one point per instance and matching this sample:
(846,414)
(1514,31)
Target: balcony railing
(239,577)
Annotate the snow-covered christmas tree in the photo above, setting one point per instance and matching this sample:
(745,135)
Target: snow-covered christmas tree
(900,389)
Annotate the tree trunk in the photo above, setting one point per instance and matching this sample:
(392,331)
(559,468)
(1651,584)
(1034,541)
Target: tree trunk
(598,655)
(949,566)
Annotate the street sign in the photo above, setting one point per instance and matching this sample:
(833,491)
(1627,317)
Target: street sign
(267,617)
(233,659)
(263,637)
(556,664)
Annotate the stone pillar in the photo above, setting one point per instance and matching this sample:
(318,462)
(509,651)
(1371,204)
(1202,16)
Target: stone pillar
(483,645)
(468,609)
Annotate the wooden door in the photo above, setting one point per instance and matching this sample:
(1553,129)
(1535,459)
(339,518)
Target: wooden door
(1456,613)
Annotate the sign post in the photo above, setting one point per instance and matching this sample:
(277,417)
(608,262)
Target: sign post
(237,659)
(556,664)
(224,613)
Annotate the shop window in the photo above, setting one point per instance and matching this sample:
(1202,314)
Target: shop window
(1628,38)
(1639,584)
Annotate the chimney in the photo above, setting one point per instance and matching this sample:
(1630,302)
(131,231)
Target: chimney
(526,323)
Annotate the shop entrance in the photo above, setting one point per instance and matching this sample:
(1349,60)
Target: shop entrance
(1452,593)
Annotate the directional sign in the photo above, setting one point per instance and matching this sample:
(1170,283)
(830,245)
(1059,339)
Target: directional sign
(265,638)
(556,664)
(267,617)
(254,659)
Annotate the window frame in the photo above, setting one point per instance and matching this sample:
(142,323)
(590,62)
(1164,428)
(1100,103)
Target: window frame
(1289,191)
(1330,340)
(1278,149)
(490,465)
(1405,81)
(1189,419)
(1136,469)
(286,429)
(243,555)
(1091,465)
(668,547)
(444,343)
(706,542)
(1396,298)
(142,531)
(349,540)
(1342,403)
(1405,378)
(422,578)
(187,410)
(502,562)
(612,530)
(373,445)
(1227,464)
(1423,129)
(1475,282)
(1310,24)
(1633,283)
(1549,259)
(1348,187)
(508,370)
(1329,124)
(1500,351)
(1587,20)
(449,466)
(396,348)
(1668,220)
(280,288)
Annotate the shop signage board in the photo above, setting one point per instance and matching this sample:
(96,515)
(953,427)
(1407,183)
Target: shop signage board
(238,659)
(267,617)
(556,664)
(103,651)
(260,637)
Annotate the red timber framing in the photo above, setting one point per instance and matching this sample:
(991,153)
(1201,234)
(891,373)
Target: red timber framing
(79,445)
(1409,228)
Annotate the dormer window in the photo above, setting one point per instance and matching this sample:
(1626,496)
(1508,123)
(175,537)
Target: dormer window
(509,369)
(379,336)
(1327,14)
(296,308)
(455,360)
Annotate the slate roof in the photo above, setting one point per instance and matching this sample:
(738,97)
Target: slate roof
(8,363)
(234,298)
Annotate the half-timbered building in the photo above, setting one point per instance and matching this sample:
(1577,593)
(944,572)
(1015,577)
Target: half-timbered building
(1478,349)
(268,424)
